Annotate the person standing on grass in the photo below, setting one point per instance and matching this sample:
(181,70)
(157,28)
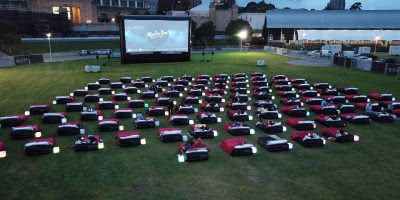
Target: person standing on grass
(170,107)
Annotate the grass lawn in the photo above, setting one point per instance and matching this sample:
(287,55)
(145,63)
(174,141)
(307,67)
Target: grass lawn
(364,170)
(27,48)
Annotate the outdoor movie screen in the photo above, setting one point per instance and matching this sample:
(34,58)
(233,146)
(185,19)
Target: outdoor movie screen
(145,36)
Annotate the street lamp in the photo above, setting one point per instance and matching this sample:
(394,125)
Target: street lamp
(242,35)
(49,38)
(376,42)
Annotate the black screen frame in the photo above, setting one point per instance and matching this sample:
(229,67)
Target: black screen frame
(152,57)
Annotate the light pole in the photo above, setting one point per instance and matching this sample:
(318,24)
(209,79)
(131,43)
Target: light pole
(49,38)
(376,42)
(242,35)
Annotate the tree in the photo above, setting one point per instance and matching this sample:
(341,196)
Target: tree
(234,27)
(252,7)
(265,30)
(193,26)
(263,7)
(8,36)
(328,7)
(356,6)
(205,32)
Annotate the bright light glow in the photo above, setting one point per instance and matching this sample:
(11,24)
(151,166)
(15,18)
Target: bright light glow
(323,141)
(242,35)
(27,113)
(166,113)
(48,35)
(88,21)
(82,131)
(223,100)
(377,38)
(356,138)
(180,95)
(143,141)
(174,102)
(248,91)
(200,101)
(63,120)
(308,113)
(290,145)
(248,107)
(219,120)
(284,128)
(250,117)
(3,154)
(121,128)
(113,19)
(101,99)
(54,102)
(185,138)
(314,125)
(116,106)
(133,116)
(196,110)
(191,122)
(254,150)
(100,117)
(139,91)
(181,158)
(129,98)
(221,109)
(273,97)
(156,95)
(56,150)
(38,134)
(279,115)
(100,146)
(252,131)
(71,94)
(215,133)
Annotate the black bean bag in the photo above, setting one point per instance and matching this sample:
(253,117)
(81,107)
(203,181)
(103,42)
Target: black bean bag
(344,109)
(274,143)
(356,118)
(126,79)
(12,120)
(63,99)
(54,118)
(91,115)
(337,135)
(330,121)
(308,139)
(162,83)
(157,111)
(38,109)
(163,101)
(26,131)
(80,92)
(170,134)
(241,98)
(208,118)
(195,92)
(88,143)
(271,128)
(105,91)
(238,105)
(136,103)
(295,111)
(192,100)
(104,81)
(92,98)
(129,139)
(70,128)
(185,109)
(238,128)
(382,117)
(180,119)
(123,113)
(202,131)
(41,146)
(74,107)
(116,85)
(147,79)
(139,84)
(239,115)
(197,151)
(148,122)
(211,107)
(263,113)
(107,105)
(265,104)
(149,94)
(214,98)
(121,97)
(107,125)
(93,86)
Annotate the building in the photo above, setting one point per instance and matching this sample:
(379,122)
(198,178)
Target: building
(194,3)
(333,25)
(337,4)
(256,20)
(108,10)
(13,4)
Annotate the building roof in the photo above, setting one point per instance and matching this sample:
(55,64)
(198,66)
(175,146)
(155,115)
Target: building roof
(333,19)
(256,20)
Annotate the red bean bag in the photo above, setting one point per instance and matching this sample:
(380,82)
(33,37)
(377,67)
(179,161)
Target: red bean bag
(308,139)
(328,110)
(202,131)
(239,115)
(196,151)
(3,148)
(41,146)
(381,96)
(170,134)
(334,135)
(239,129)
(88,143)
(330,121)
(127,139)
(238,147)
(301,124)
(295,111)
(356,118)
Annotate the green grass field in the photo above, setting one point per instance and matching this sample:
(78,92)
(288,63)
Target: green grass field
(365,170)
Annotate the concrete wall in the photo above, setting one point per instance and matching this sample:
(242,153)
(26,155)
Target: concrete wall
(221,18)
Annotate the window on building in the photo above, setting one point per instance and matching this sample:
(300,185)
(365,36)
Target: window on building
(106,3)
(114,3)
(124,3)
(140,4)
(56,10)
(131,3)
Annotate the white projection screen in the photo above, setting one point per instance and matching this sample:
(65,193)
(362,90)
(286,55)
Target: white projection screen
(154,38)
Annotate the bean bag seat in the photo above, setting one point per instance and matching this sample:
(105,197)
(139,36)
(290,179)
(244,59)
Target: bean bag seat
(214,98)
(147,79)
(182,81)
(192,100)
(208,118)
(195,92)
(185,109)
(330,121)
(285,82)
(41,146)
(396,114)
(3,148)
(263,96)
(121,97)
(238,105)
(107,105)
(104,81)
(329,92)
(192,151)
(258,78)
(308,139)
(321,86)
(262,89)
(265,104)
(139,84)
(12,120)
(222,76)
(309,93)
(93,86)
(123,113)
(88,143)
(162,83)
(312,101)
(238,79)
(263,113)
(360,106)
(383,117)
(180,119)
(170,134)
(131,90)
(38,109)
(74,107)
(291,102)
(301,124)
(239,91)
(200,86)
(238,128)
(257,74)
(304,86)
(149,94)
(129,139)
(204,76)
(273,143)
(110,125)
(238,147)
(167,78)
(136,103)
(211,107)
(218,91)
(240,97)
(279,77)
(338,135)
(288,94)
(271,128)
(92,98)
(70,128)
(239,115)
(26,131)
(259,83)
(126,79)
(202,131)
(358,98)
(344,109)
(221,81)
(116,85)
(295,111)
(202,81)
(172,93)
(283,88)
(157,111)
(163,101)
(349,91)
(381,96)
(54,118)
(147,122)
(63,99)
(240,75)
(356,118)
(240,84)
(105,91)
(80,92)
(91,115)
(393,106)
(297,81)
(328,110)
